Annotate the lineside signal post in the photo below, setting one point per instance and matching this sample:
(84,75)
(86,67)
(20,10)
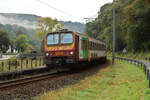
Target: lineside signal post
(114,31)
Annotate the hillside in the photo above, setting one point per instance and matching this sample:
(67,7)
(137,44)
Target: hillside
(132,25)
(26,23)
(12,31)
(29,21)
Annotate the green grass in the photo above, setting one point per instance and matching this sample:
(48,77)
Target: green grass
(122,81)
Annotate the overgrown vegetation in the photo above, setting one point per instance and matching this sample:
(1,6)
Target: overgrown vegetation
(4,41)
(132,25)
(122,81)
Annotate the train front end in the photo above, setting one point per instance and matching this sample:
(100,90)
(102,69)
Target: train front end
(59,48)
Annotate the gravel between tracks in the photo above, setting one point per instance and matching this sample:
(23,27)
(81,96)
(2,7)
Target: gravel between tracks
(27,92)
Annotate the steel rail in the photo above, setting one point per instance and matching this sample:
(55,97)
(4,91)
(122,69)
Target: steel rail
(13,83)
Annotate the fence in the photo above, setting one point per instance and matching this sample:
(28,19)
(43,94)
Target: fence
(140,64)
(20,64)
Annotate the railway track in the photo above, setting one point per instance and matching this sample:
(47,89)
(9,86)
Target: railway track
(30,80)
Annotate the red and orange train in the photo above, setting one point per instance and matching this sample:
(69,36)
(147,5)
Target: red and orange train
(68,47)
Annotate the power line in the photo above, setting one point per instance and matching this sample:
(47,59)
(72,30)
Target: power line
(93,16)
(50,6)
(89,19)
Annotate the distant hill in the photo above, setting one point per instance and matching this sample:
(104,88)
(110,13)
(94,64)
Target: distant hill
(29,20)
(13,23)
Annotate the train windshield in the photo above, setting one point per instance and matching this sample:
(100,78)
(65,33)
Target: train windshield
(52,39)
(66,38)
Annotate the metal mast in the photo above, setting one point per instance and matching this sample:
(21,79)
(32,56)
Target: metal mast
(114,31)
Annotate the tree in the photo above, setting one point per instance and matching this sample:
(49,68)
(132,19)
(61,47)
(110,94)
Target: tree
(136,25)
(4,41)
(21,43)
(19,32)
(132,25)
(46,25)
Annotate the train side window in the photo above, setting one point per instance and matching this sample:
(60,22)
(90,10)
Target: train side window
(103,46)
(93,45)
(90,45)
(100,46)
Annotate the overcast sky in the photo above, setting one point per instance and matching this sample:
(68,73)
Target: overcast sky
(66,10)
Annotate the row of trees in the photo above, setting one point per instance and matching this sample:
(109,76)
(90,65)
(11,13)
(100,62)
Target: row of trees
(21,42)
(132,25)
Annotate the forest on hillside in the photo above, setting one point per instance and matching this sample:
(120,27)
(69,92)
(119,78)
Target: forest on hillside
(26,24)
(132,25)
(13,30)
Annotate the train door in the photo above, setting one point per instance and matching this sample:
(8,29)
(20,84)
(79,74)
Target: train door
(77,48)
(85,47)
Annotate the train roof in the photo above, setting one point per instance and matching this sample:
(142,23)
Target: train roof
(79,34)
(90,38)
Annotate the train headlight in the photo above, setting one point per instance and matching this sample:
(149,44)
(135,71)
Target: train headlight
(71,53)
(47,54)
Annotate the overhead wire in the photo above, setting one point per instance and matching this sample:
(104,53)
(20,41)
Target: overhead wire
(61,11)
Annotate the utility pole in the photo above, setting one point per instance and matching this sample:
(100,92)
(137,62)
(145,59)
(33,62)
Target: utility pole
(114,31)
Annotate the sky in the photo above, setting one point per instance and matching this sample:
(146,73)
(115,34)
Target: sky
(65,10)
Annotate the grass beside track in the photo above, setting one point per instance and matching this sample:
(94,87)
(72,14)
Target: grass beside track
(122,81)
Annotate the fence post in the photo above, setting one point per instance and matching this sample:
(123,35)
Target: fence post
(35,62)
(2,66)
(145,68)
(27,63)
(149,79)
(43,60)
(31,63)
(147,74)
(9,65)
(16,65)
(21,64)
(141,66)
(135,62)
(40,62)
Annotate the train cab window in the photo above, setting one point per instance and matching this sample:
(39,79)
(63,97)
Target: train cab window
(52,39)
(66,38)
